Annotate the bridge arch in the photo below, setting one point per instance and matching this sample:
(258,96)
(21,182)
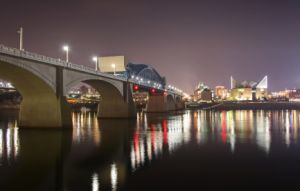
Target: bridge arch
(116,96)
(41,105)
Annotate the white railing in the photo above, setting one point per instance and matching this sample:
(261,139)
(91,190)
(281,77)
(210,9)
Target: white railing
(53,61)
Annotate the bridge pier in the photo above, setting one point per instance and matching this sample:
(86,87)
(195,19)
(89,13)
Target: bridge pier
(179,105)
(116,106)
(160,103)
(116,109)
(45,112)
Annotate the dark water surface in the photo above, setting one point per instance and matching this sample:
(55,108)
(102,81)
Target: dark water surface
(191,150)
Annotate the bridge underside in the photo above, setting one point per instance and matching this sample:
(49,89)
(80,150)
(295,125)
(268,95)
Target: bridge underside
(41,106)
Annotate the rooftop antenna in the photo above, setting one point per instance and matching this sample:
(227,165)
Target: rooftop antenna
(21,38)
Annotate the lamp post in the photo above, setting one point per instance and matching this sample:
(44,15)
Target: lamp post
(114,67)
(66,49)
(95,59)
(21,39)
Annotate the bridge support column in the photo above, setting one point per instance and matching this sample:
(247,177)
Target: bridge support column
(160,103)
(117,107)
(180,105)
(48,111)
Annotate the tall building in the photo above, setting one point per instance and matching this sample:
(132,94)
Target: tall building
(249,90)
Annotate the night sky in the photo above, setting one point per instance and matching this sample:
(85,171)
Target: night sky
(186,41)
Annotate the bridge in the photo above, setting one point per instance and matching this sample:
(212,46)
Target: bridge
(44,83)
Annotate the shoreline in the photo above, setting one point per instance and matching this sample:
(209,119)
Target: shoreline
(250,106)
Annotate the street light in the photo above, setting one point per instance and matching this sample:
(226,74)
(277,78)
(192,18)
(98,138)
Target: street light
(21,39)
(95,59)
(66,49)
(114,67)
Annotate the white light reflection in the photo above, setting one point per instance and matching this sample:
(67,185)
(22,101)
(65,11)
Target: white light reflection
(86,127)
(95,182)
(114,177)
(186,127)
(8,143)
(263,136)
(231,128)
(16,143)
(287,129)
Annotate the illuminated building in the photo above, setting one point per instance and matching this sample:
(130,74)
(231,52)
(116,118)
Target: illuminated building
(249,90)
(220,92)
(294,95)
(202,93)
(280,95)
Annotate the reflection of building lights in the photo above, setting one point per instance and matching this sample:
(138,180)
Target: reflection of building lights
(114,177)
(287,129)
(86,126)
(263,136)
(95,182)
(16,142)
(132,159)
(8,143)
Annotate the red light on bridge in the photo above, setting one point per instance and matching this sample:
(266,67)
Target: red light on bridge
(136,87)
(153,90)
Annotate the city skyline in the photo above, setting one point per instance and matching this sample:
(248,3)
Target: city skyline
(197,40)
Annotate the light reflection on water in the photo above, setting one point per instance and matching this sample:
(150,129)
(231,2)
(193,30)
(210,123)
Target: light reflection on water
(104,154)
(9,143)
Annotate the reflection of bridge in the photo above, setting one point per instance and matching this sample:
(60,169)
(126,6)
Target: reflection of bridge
(44,82)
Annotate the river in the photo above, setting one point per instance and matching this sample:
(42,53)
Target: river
(187,150)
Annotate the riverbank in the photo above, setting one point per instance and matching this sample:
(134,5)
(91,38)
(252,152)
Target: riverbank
(255,106)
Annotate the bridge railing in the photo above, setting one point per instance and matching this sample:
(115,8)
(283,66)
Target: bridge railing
(53,61)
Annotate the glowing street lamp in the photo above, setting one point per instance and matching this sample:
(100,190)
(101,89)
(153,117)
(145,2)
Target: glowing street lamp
(66,49)
(95,59)
(114,67)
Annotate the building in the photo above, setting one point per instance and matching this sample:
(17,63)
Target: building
(112,64)
(203,93)
(249,90)
(220,93)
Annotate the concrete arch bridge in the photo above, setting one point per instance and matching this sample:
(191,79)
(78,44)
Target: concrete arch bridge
(44,83)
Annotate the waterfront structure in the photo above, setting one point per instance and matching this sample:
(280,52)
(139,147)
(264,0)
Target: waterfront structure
(292,95)
(248,90)
(202,93)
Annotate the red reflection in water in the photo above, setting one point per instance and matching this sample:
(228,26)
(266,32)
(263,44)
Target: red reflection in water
(153,137)
(136,142)
(165,131)
(224,127)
